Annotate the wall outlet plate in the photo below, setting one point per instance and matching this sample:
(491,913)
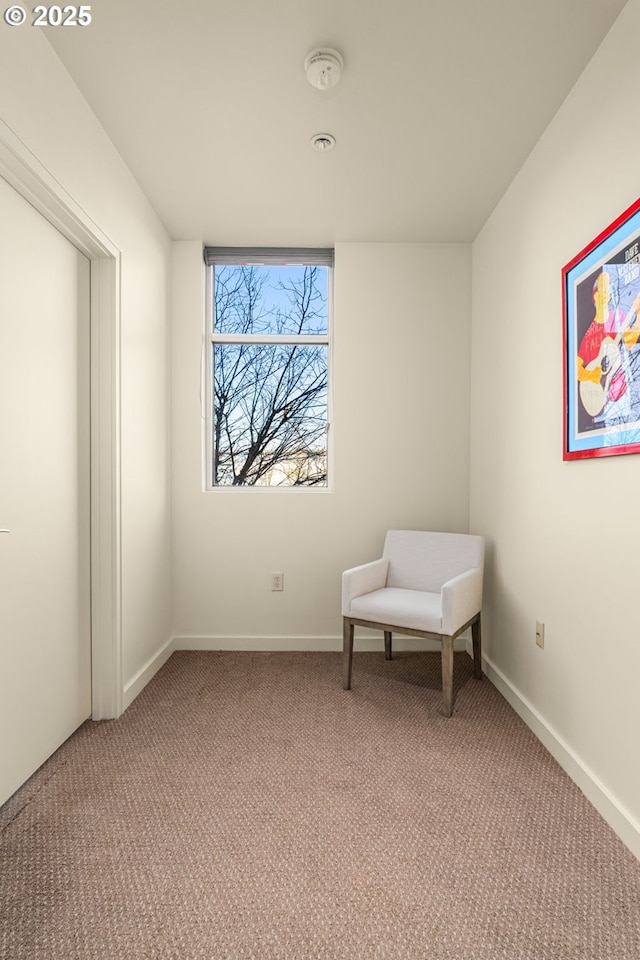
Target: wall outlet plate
(277,582)
(540,634)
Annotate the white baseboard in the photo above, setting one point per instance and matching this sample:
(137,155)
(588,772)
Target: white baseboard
(616,815)
(142,677)
(320,644)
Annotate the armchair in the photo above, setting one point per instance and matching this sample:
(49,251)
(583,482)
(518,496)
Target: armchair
(424,585)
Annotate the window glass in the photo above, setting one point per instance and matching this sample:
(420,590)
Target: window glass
(269,374)
(269,299)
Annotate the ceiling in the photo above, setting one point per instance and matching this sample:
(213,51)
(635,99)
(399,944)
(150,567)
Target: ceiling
(439,105)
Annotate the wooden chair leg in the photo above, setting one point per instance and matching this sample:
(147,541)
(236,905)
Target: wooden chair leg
(388,654)
(447,674)
(347,656)
(476,635)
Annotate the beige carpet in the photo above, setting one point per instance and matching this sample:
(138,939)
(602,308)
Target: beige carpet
(245,807)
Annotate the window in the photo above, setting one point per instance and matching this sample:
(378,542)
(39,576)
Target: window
(268,367)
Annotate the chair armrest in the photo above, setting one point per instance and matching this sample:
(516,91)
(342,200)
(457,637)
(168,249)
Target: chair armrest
(363,579)
(461,599)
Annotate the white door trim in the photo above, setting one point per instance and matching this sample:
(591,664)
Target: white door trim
(22,169)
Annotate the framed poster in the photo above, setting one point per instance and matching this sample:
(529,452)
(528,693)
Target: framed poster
(601,343)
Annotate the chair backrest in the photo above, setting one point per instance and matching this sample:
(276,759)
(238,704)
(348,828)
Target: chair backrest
(420,560)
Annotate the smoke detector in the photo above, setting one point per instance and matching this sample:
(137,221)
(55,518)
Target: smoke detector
(323,142)
(323,68)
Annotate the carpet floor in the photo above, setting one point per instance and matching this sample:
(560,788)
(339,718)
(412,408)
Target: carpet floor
(245,807)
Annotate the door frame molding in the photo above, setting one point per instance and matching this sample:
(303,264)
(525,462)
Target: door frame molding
(27,175)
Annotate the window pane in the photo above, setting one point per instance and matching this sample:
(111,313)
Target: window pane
(269,299)
(270,415)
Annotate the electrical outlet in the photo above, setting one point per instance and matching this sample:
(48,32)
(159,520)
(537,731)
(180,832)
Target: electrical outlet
(277,582)
(540,634)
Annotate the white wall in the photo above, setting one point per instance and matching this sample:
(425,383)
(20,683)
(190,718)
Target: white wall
(401,437)
(565,536)
(44,108)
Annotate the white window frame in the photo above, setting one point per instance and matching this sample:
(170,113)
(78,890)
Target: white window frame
(245,256)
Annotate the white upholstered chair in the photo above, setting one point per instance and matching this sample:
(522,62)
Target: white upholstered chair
(424,585)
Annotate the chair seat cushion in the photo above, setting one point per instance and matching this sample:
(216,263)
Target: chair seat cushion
(415,609)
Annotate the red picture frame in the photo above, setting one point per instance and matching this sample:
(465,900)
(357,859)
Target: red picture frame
(601,343)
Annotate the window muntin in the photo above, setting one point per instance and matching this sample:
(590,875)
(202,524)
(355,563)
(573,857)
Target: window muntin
(269,374)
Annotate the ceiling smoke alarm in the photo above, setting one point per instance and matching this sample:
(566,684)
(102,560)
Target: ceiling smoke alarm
(323,142)
(323,68)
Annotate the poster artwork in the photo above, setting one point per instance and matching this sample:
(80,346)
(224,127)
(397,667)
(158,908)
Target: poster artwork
(602,343)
